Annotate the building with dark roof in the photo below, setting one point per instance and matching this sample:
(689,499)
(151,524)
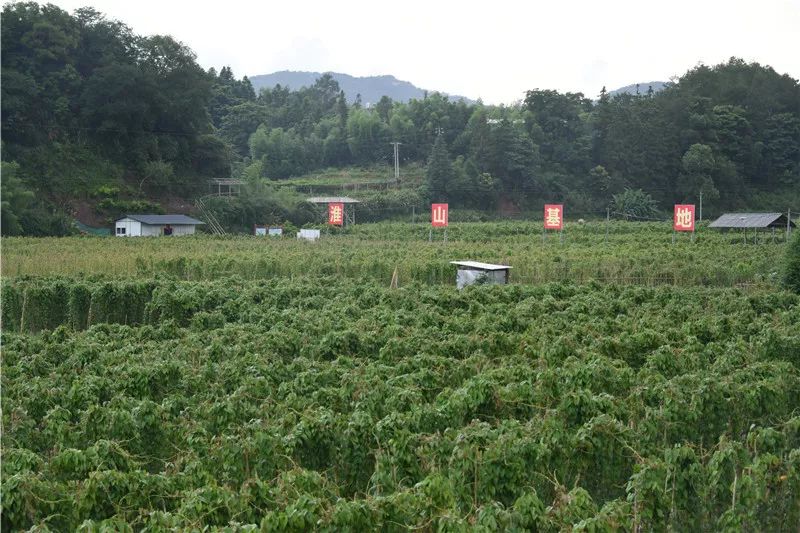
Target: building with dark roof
(754,221)
(750,220)
(155,225)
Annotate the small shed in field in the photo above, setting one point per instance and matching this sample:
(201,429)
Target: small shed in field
(228,186)
(349,205)
(155,225)
(754,221)
(472,272)
(751,220)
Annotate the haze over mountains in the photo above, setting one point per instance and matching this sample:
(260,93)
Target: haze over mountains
(640,88)
(372,88)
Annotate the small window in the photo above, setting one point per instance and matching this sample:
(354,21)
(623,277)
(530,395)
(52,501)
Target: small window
(120,231)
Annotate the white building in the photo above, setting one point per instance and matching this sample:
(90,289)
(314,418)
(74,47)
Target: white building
(155,225)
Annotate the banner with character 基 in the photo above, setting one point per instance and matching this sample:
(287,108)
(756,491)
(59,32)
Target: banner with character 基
(554,216)
(553,220)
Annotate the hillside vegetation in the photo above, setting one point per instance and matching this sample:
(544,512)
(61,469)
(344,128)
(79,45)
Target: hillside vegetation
(97,121)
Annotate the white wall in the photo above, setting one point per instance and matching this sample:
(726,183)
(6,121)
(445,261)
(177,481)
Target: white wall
(308,234)
(177,229)
(183,229)
(132,228)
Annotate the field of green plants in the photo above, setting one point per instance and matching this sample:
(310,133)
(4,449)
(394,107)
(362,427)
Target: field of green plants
(245,384)
(623,252)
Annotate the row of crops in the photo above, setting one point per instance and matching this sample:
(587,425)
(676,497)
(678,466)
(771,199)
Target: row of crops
(628,253)
(339,404)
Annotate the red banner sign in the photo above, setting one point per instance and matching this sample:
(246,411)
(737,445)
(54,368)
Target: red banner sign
(439,215)
(683,219)
(336,213)
(553,216)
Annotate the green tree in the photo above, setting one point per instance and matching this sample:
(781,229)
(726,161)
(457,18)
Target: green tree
(367,136)
(341,110)
(439,172)
(336,151)
(634,204)
(734,135)
(699,166)
(779,151)
(470,187)
(211,157)
(513,158)
(384,107)
(602,183)
(602,117)
(240,122)
(282,152)
(116,105)
(157,176)
(227,92)
(557,124)
(479,138)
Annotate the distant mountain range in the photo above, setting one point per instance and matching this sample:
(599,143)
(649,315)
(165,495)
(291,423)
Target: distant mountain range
(640,88)
(371,88)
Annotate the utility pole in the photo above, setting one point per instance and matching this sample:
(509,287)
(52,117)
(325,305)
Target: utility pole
(396,162)
(701,206)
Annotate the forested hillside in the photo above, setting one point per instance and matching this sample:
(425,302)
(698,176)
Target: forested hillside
(97,120)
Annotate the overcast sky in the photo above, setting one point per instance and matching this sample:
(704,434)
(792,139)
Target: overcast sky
(495,50)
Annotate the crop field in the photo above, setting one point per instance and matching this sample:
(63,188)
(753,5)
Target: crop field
(275,385)
(627,253)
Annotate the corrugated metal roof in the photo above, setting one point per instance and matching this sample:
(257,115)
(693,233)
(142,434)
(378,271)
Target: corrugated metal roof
(156,220)
(480,266)
(747,220)
(332,199)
